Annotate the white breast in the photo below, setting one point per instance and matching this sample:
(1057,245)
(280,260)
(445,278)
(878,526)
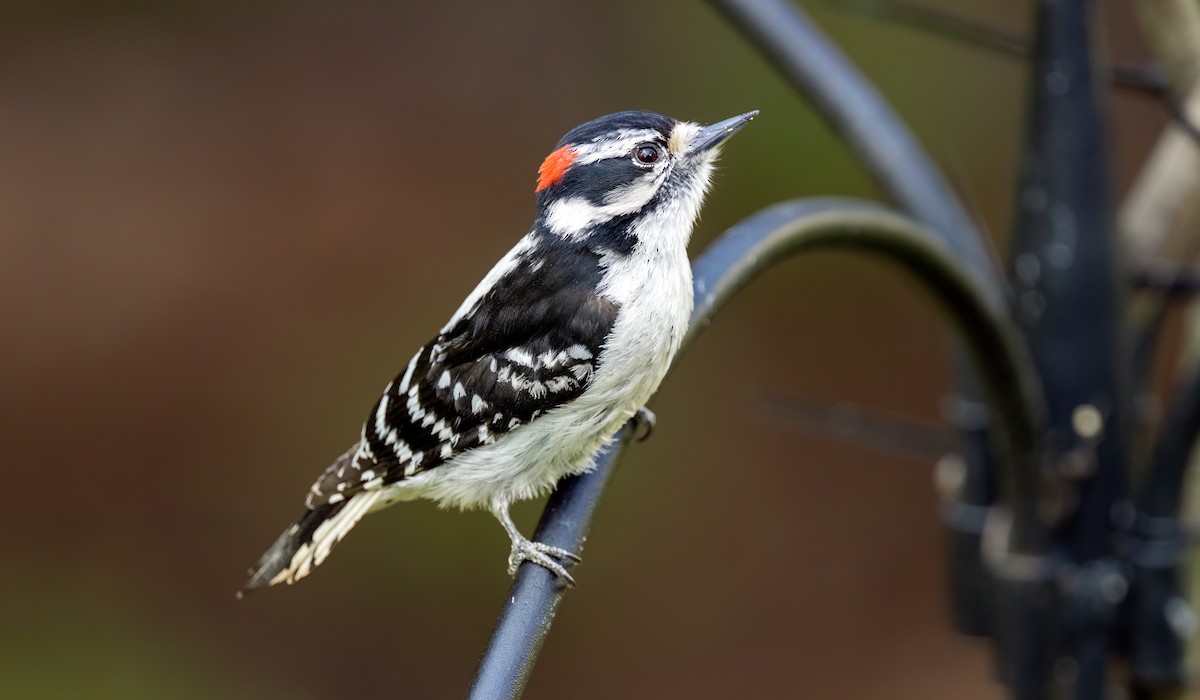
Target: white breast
(653,289)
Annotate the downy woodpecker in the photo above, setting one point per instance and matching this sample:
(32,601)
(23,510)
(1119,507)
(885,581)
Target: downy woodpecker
(562,342)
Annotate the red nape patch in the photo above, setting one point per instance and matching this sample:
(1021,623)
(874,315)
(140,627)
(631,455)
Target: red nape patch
(555,165)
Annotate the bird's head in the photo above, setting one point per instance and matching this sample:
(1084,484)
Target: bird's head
(630,174)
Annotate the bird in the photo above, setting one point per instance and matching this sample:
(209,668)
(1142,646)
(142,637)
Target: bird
(561,344)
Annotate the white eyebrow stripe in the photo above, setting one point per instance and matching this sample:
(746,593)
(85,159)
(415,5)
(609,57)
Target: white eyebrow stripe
(627,135)
(620,145)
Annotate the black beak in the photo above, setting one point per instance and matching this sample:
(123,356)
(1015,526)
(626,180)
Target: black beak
(714,134)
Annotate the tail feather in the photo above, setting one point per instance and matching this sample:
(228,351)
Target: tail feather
(304,545)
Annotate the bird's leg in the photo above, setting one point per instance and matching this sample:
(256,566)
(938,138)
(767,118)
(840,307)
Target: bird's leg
(643,424)
(525,550)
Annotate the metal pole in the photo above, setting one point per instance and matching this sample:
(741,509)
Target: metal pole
(1069,299)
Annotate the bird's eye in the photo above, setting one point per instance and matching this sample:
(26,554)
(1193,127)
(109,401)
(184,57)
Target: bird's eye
(646,153)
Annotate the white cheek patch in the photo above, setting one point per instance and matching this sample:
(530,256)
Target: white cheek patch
(572,216)
(635,195)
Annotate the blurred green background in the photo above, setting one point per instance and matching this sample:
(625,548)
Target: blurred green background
(225,225)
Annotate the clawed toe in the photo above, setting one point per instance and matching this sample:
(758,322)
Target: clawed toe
(557,552)
(643,424)
(543,555)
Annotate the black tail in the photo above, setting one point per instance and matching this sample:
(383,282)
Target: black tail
(279,557)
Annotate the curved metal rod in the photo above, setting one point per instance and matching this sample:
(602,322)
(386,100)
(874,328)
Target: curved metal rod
(854,109)
(978,310)
(726,267)
(864,120)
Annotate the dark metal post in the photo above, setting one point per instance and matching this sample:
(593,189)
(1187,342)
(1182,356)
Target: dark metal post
(1071,306)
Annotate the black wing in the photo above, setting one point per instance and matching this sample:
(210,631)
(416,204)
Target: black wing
(529,344)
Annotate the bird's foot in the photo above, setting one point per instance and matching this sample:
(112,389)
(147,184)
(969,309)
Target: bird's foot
(643,424)
(543,555)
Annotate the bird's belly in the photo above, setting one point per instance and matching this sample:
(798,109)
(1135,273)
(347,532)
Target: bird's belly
(532,458)
(526,464)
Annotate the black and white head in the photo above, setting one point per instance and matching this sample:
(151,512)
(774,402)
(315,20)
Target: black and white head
(629,176)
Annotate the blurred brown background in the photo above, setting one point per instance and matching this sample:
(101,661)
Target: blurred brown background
(225,225)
